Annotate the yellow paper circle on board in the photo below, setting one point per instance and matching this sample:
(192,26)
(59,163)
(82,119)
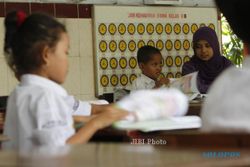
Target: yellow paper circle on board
(132,45)
(160,44)
(132,78)
(122,46)
(103,46)
(123,62)
(169,45)
(104,80)
(186,44)
(170,75)
(185,28)
(169,61)
(211,25)
(140,28)
(186,59)
(151,43)
(150,28)
(114,80)
(102,29)
(113,63)
(194,28)
(177,44)
(168,28)
(159,28)
(178,74)
(178,61)
(121,28)
(131,29)
(104,63)
(140,43)
(132,62)
(124,80)
(177,28)
(112,28)
(112,46)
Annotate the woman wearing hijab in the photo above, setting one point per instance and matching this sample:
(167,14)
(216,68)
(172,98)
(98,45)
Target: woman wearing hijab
(207,59)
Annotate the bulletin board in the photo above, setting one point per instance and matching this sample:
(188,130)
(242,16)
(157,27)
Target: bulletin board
(120,30)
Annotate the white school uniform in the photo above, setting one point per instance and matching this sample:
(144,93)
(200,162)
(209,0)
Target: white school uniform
(82,108)
(143,82)
(227,107)
(38,113)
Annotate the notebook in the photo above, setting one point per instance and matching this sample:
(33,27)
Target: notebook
(171,123)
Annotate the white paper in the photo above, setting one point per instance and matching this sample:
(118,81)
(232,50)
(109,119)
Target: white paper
(187,83)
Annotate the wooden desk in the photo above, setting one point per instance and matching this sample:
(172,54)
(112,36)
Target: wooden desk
(189,138)
(197,139)
(2,118)
(195,108)
(3,138)
(110,134)
(122,155)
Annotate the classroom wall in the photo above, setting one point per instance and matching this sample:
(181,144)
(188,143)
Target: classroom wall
(77,18)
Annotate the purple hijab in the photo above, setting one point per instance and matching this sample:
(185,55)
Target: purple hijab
(209,70)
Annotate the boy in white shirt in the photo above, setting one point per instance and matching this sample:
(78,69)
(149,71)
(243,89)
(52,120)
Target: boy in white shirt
(149,60)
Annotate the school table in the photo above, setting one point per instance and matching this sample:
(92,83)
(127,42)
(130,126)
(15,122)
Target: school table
(114,135)
(124,155)
(195,107)
(195,138)
(111,134)
(176,138)
(3,138)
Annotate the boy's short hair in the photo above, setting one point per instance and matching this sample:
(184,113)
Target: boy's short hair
(145,53)
(237,14)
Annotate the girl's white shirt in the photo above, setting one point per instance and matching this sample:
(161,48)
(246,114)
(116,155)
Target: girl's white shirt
(39,112)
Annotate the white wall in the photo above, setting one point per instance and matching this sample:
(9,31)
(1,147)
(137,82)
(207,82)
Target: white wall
(80,80)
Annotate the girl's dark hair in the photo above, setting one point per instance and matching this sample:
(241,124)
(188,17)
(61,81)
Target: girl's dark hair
(145,53)
(24,44)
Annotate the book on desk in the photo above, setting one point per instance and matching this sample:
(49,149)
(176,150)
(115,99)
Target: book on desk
(156,109)
(171,123)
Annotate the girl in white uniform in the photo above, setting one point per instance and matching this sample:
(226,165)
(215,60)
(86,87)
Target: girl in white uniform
(39,110)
